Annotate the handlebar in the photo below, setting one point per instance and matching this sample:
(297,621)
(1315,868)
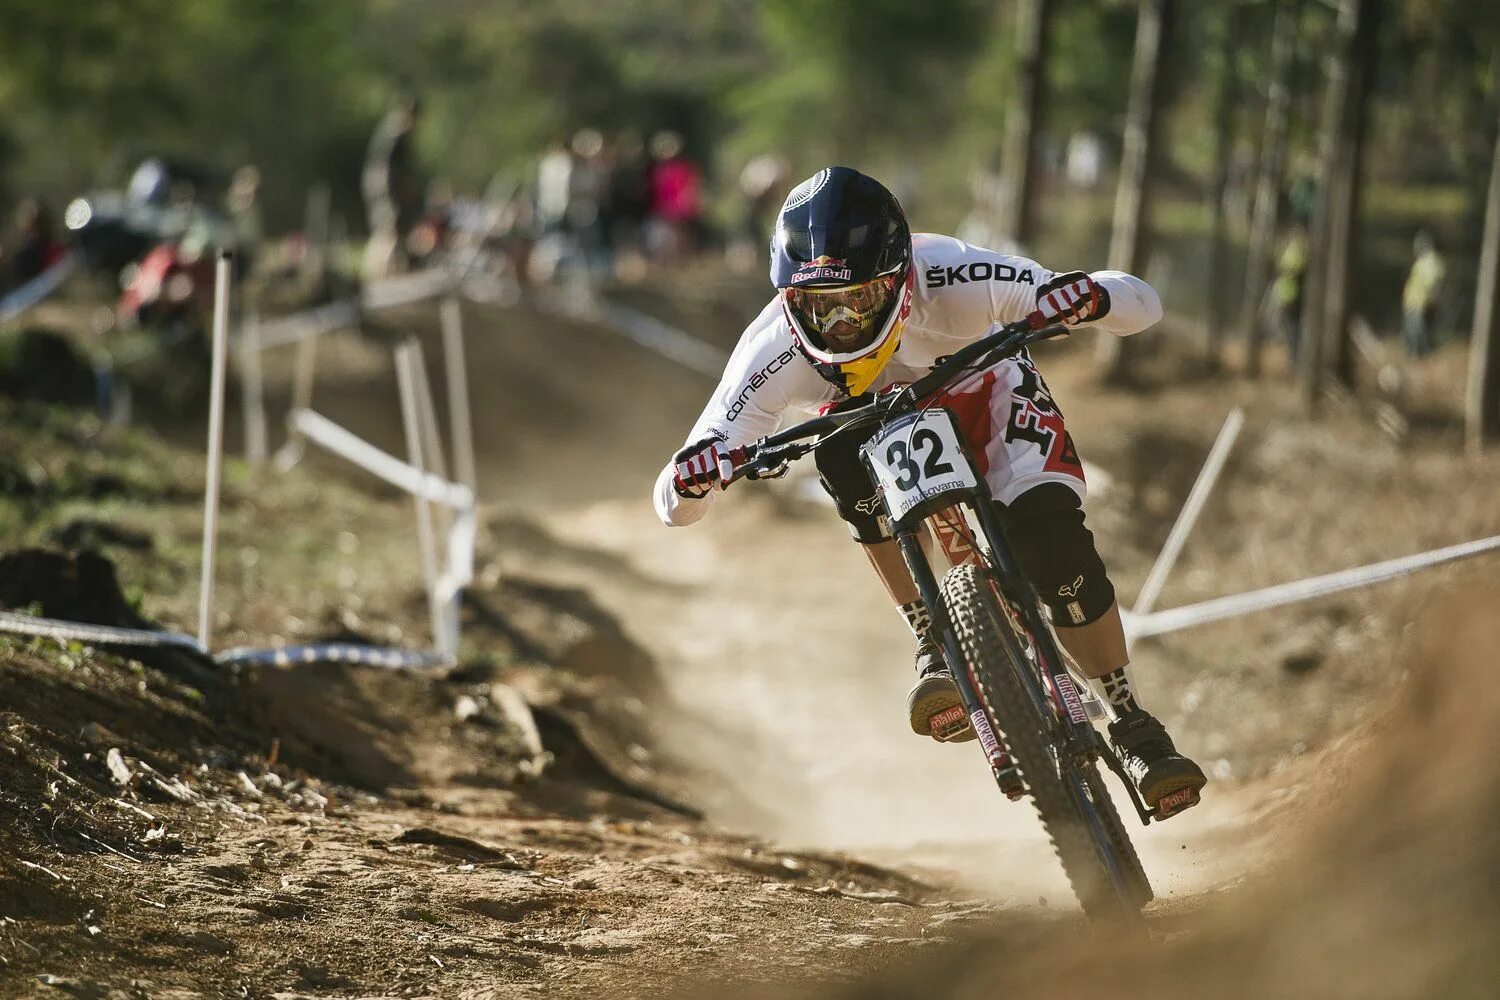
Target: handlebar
(772,453)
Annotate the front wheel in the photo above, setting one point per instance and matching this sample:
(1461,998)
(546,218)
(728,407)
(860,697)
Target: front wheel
(1070,798)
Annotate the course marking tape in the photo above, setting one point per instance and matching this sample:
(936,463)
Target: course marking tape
(334,652)
(57,628)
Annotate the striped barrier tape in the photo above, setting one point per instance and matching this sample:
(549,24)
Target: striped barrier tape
(334,652)
(56,628)
(61,630)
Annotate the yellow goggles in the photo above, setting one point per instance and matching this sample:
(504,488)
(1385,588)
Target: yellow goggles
(847,318)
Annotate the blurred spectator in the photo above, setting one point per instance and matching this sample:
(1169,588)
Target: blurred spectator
(980,226)
(676,207)
(588,190)
(173,187)
(1302,194)
(763,182)
(390,185)
(1286,290)
(554,185)
(629,205)
(1419,299)
(432,232)
(242,204)
(515,232)
(148,183)
(36,247)
(1083,163)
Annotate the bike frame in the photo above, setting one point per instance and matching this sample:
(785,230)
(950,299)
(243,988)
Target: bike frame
(1068,712)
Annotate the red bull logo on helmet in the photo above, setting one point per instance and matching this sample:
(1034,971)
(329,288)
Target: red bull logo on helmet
(823,269)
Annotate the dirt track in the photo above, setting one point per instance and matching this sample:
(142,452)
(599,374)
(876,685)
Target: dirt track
(766,688)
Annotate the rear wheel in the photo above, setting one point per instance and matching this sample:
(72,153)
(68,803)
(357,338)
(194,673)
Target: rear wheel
(1070,797)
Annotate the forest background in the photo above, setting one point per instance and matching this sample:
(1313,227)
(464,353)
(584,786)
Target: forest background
(918,94)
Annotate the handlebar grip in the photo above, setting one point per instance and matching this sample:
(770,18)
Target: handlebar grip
(736,463)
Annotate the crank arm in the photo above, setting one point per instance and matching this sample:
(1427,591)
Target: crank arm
(1113,762)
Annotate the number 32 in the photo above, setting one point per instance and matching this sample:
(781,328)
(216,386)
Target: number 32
(898,458)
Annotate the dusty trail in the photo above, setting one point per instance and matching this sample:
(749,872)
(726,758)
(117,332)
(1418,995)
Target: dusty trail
(769,628)
(763,678)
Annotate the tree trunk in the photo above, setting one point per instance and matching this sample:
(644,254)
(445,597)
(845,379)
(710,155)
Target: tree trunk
(1226,101)
(1310,338)
(1344,217)
(1269,174)
(1127,244)
(1325,329)
(1023,122)
(1482,409)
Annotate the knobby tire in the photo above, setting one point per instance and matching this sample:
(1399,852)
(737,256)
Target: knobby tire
(978,620)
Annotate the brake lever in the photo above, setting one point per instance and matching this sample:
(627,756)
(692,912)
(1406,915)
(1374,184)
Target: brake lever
(750,464)
(740,463)
(770,472)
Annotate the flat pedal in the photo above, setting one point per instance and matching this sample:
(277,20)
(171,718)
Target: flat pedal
(1172,803)
(951,725)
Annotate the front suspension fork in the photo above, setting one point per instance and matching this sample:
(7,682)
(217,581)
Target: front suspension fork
(995,753)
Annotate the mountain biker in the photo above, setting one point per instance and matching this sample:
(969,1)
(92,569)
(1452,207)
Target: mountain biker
(863,305)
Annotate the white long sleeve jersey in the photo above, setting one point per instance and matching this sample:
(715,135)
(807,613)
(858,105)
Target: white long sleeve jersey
(961,292)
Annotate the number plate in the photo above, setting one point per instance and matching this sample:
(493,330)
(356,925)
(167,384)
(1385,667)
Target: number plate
(916,457)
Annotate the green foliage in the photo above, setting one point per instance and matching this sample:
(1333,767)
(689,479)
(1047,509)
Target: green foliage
(95,85)
(848,81)
(897,87)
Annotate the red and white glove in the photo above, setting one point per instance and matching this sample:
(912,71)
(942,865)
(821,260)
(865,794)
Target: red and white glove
(1070,299)
(702,466)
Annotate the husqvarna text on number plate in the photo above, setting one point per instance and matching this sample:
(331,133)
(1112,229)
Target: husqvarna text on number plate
(917,457)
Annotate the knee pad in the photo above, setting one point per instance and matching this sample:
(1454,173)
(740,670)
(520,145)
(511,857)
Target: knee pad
(1056,551)
(849,484)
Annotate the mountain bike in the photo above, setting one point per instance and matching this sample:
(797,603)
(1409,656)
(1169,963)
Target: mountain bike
(1030,711)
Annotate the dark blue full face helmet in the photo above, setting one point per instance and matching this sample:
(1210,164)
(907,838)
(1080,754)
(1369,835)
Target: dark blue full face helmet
(841,255)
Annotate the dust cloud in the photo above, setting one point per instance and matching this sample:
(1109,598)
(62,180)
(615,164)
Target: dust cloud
(1389,855)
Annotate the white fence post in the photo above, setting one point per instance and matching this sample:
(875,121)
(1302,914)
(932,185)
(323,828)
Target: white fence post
(252,385)
(446,571)
(1197,497)
(411,421)
(304,370)
(432,442)
(215,446)
(460,419)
